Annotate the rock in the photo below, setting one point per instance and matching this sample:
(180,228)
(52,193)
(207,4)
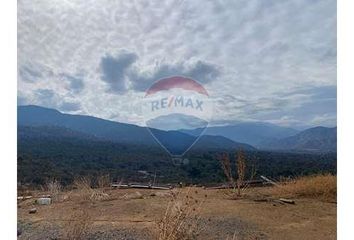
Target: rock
(32,210)
(44,201)
(19,232)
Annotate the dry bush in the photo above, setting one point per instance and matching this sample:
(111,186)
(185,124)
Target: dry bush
(226,167)
(79,225)
(82,183)
(86,192)
(83,186)
(323,187)
(181,220)
(104,181)
(55,189)
(238,184)
(99,195)
(241,170)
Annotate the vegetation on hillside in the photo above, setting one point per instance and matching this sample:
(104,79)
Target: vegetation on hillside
(67,159)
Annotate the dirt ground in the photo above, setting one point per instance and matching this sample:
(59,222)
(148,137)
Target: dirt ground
(128,215)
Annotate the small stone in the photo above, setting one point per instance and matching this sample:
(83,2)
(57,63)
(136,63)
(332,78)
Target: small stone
(32,210)
(44,201)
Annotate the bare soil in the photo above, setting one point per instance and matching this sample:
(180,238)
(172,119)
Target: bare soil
(127,215)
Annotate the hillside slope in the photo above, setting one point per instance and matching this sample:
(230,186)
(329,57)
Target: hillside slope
(317,139)
(95,128)
(250,133)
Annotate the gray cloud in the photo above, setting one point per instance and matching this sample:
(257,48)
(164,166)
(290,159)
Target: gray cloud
(114,70)
(200,71)
(303,107)
(29,75)
(121,72)
(76,84)
(45,96)
(262,60)
(49,98)
(31,72)
(204,72)
(321,92)
(300,108)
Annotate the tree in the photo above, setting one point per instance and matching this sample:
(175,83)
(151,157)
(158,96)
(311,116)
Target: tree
(241,170)
(240,164)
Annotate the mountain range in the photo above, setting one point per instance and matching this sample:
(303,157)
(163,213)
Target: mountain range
(36,122)
(314,139)
(265,136)
(253,133)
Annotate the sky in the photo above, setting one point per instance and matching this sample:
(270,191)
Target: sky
(268,61)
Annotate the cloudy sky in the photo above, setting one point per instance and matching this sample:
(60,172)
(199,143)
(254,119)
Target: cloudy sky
(260,60)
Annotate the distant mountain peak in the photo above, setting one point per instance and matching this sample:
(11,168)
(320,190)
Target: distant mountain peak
(316,139)
(253,133)
(37,108)
(174,141)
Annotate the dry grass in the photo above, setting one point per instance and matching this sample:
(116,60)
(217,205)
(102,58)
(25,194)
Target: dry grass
(83,184)
(54,188)
(78,227)
(181,220)
(80,223)
(322,187)
(104,181)
(86,192)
